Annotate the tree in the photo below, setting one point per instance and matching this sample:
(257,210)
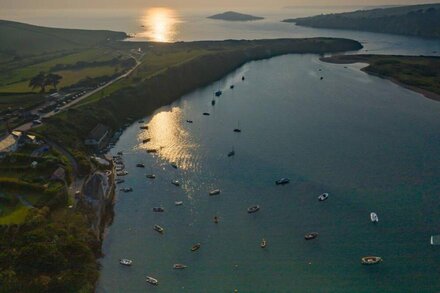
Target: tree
(53,79)
(38,81)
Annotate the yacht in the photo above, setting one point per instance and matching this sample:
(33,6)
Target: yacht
(263,243)
(126,262)
(282,181)
(374,218)
(214,192)
(158,209)
(371,260)
(178,203)
(152,281)
(311,235)
(151,176)
(140,165)
(179,266)
(158,228)
(323,197)
(195,247)
(253,209)
(175,182)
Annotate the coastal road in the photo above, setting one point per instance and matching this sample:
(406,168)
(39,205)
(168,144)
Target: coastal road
(30,125)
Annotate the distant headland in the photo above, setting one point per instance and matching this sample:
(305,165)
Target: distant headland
(235,16)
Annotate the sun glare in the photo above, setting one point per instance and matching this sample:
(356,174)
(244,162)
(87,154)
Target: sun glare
(160,24)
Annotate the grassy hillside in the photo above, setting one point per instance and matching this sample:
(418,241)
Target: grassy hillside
(19,39)
(420,73)
(414,20)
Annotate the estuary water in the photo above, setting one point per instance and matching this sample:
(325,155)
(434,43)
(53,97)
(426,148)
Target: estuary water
(372,145)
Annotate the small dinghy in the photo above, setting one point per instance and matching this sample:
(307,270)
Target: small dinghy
(158,228)
(263,243)
(253,209)
(151,176)
(282,181)
(311,235)
(371,260)
(178,203)
(158,209)
(126,262)
(179,266)
(152,281)
(175,182)
(214,192)
(196,247)
(323,197)
(374,218)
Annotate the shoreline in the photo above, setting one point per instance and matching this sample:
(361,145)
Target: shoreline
(352,59)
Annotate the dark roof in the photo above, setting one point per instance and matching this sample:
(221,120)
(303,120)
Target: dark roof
(98,132)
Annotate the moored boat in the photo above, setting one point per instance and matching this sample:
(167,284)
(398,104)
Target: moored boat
(214,192)
(263,243)
(158,229)
(195,247)
(146,140)
(140,165)
(213,102)
(174,165)
(189,121)
(216,219)
(218,93)
(175,182)
(311,235)
(178,203)
(374,218)
(231,153)
(151,151)
(206,114)
(126,189)
(152,281)
(282,181)
(253,209)
(126,262)
(232,87)
(371,260)
(151,176)
(158,209)
(323,197)
(119,181)
(179,266)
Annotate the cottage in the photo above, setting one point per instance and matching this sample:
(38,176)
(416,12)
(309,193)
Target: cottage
(98,136)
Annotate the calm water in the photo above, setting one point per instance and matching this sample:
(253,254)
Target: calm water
(372,145)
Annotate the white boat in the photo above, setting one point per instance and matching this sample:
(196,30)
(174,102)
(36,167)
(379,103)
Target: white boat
(175,182)
(282,181)
(323,196)
(178,203)
(253,209)
(214,192)
(374,218)
(152,281)
(126,262)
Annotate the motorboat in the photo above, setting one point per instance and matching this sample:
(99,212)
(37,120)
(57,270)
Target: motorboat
(122,173)
(140,165)
(216,219)
(218,93)
(178,203)
(282,181)
(206,114)
(213,102)
(119,181)
(243,78)
(120,153)
(152,281)
(374,218)
(311,235)
(189,121)
(151,176)
(323,197)
(253,209)
(126,189)
(174,165)
(263,243)
(214,192)
(195,247)
(158,229)
(231,153)
(238,130)
(175,182)
(126,262)
(158,209)
(371,260)
(179,266)
(232,87)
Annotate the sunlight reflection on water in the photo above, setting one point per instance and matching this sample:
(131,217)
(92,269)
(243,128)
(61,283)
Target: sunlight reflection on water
(160,24)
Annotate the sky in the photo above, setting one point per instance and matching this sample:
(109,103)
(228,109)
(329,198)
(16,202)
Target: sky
(225,4)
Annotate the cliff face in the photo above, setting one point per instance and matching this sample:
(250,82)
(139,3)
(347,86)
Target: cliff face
(98,201)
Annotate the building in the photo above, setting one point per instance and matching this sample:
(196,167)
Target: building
(98,137)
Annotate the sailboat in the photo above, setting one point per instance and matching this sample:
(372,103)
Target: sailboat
(238,127)
(231,153)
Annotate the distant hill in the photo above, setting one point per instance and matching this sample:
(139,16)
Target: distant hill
(415,20)
(235,16)
(19,39)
